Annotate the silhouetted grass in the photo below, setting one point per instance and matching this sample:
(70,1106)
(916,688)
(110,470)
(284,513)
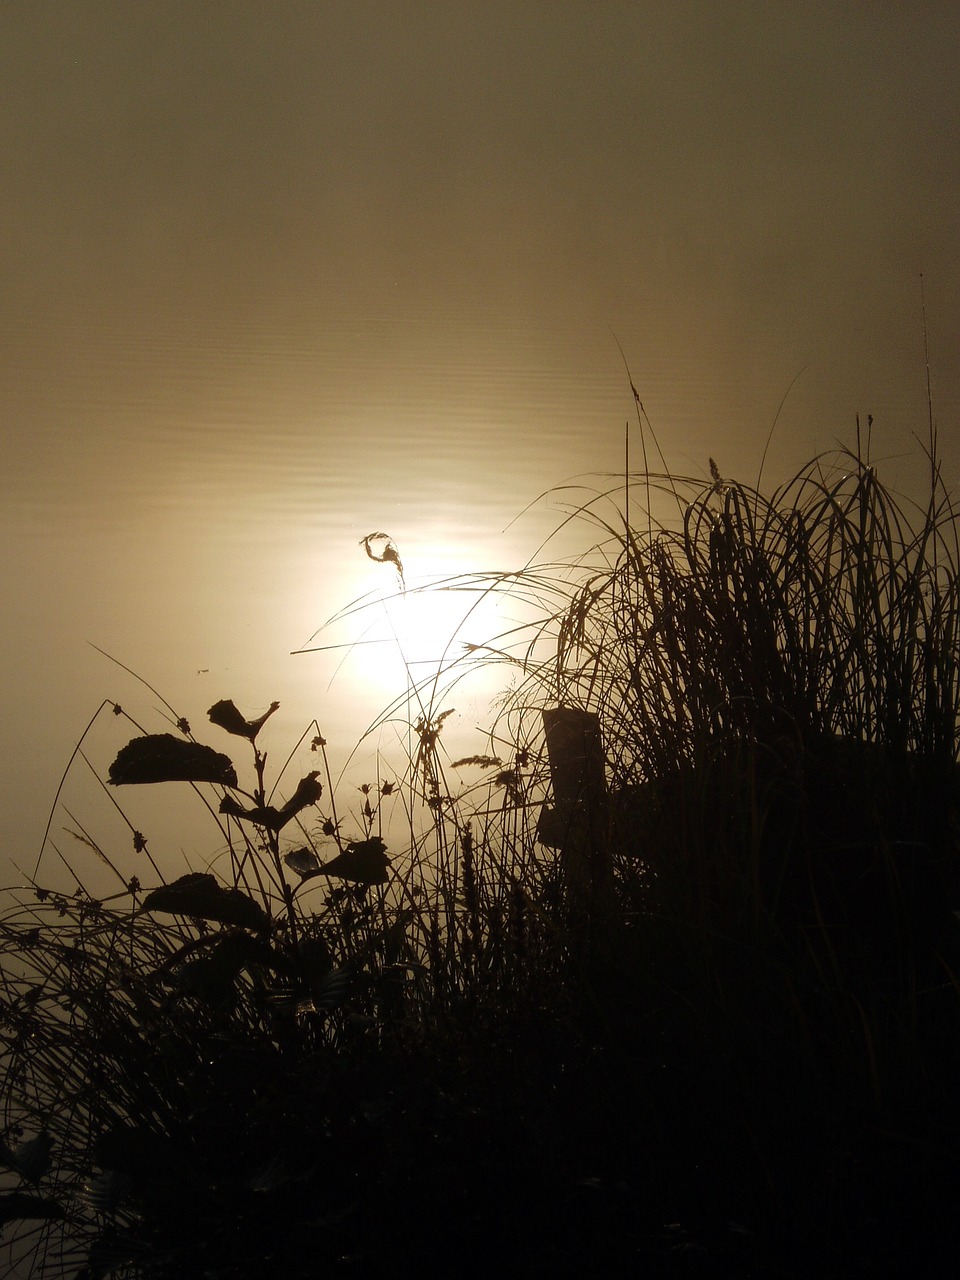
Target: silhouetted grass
(669,983)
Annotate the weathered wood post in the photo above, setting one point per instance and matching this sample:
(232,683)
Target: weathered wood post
(577,823)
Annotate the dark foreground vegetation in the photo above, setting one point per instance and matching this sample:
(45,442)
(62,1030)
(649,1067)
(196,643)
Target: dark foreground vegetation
(669,987)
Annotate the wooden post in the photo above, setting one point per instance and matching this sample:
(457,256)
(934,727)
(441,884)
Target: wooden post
(576,823)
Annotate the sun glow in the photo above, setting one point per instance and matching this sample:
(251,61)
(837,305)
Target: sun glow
(411,626)
(432,622)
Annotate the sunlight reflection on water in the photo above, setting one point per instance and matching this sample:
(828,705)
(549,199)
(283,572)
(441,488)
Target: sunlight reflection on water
(190,497)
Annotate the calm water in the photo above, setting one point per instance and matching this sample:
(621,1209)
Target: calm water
(276,283)
(190,498)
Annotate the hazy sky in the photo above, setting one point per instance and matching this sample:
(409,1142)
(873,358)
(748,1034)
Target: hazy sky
(262,260)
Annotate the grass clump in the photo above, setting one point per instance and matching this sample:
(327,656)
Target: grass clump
(675,980)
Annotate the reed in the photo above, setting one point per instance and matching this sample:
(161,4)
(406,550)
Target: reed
(590,999)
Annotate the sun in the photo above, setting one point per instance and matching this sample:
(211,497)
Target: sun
(423,597)
(429,619)
(414,610)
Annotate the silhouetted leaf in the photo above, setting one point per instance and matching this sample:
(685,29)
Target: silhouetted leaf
(308,792)
(225,715)
(200,894)
(326,990)
(264,815)
(160,757)
(303,861)
(31,1159)
(365,861)
(253,951)
(104,1192)
(17,1204)
(331,991)
(213,976)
